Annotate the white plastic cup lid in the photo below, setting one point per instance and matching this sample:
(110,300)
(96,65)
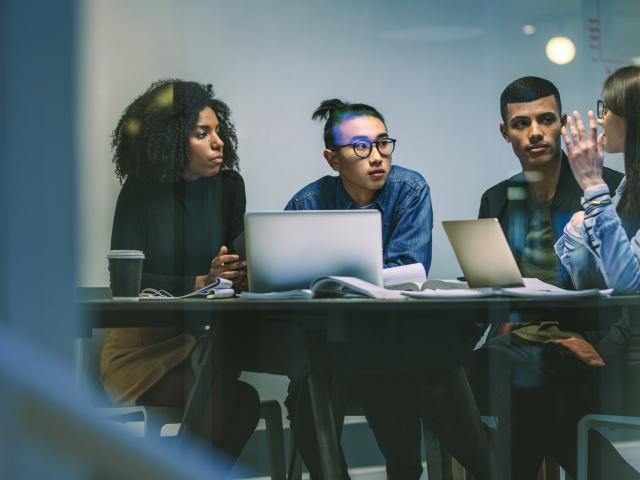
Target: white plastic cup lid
(134,254)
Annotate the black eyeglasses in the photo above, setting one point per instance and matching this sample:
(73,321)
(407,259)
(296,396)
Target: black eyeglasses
(601,109)
(363,148)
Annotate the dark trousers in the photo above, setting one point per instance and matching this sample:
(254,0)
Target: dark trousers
(539,395)
(394,406)
(389,408)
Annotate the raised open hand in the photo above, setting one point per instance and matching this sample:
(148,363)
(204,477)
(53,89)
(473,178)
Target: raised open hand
(584,149)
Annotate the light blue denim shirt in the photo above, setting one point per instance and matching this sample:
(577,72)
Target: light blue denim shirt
(404,203)
(602,253)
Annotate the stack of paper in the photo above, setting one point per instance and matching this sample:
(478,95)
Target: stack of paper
(533,287)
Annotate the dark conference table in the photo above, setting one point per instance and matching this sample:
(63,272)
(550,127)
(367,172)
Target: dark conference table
(297,338)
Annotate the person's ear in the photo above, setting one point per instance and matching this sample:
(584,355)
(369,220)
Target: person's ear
(332,159)
(503,132)
(563,120)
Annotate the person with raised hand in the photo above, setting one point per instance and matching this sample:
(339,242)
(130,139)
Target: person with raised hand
(600,246)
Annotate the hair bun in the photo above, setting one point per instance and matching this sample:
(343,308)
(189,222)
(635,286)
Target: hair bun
(326,108)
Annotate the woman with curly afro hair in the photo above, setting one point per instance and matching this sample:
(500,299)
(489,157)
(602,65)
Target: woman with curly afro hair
(182,203)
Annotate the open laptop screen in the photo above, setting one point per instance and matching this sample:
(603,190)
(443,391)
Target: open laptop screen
(483,253)
(288,250)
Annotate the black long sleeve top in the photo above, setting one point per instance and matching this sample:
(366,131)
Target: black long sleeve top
(180,227)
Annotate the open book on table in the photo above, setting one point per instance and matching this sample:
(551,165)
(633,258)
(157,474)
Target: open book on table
(413,278)
(333,286)
(404,277)
(394,279)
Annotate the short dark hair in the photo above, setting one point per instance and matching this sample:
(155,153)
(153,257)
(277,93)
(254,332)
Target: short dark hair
(527,89)
(151,140)
(335,111)
(621,94)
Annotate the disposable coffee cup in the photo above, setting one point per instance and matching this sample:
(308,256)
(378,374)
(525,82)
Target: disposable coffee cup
(125,273)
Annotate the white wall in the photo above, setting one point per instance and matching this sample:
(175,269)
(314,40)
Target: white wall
(435,69)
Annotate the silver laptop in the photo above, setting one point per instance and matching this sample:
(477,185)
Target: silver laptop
(288,250)
(483,253)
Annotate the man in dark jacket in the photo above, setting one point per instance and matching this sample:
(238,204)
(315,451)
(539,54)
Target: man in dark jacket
(544,365)
(534,206)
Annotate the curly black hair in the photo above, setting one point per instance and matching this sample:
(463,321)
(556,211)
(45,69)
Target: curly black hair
(150,141)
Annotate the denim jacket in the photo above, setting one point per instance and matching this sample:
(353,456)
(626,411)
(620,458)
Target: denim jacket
(617,264)
(404,203)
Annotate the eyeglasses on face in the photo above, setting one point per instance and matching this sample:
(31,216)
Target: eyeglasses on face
(601,109)
(363,148)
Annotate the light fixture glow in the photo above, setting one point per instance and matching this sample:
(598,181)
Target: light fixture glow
(528,29)
(560,50)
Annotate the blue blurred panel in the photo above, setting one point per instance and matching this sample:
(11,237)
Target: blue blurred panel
(39,181)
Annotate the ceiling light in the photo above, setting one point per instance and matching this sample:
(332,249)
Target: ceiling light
(560,50)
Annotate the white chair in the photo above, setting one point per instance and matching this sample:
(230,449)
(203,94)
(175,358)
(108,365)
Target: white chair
(606,425)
